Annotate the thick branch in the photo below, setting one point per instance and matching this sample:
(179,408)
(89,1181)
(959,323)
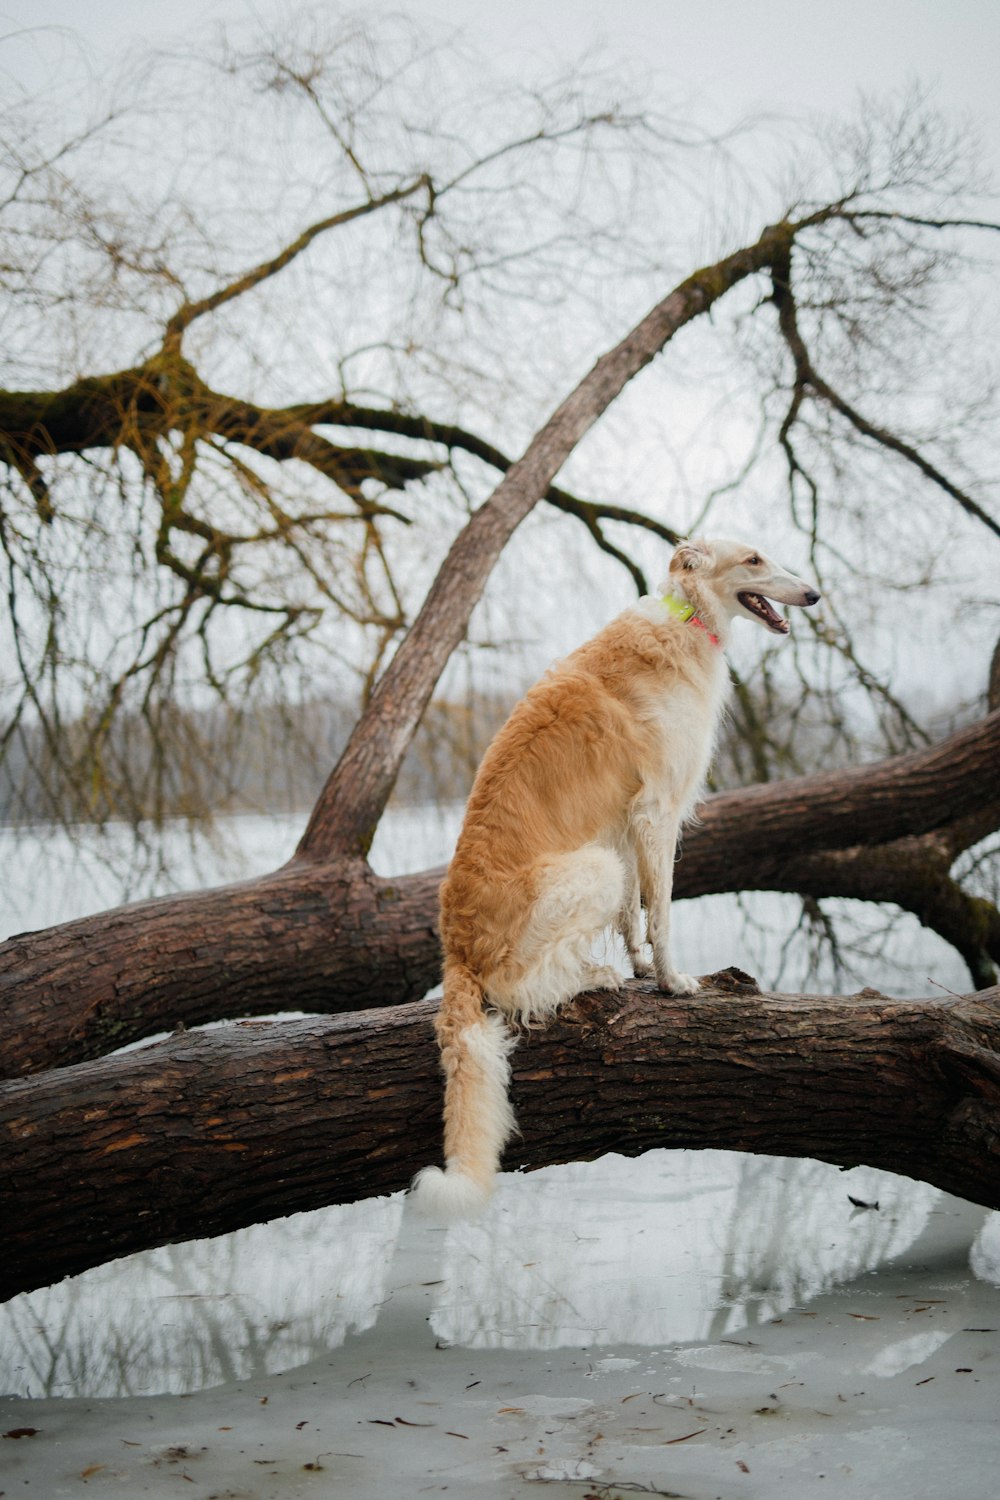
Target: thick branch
(99,1160)
(301,939)
(330,936)
(96,411)
(278,434)
(763,827)
(914,874)
(136,406)
(460,439)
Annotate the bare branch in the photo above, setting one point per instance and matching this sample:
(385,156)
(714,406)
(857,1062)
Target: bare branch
(189,311)
(807,379)
(460,439)
(896,216)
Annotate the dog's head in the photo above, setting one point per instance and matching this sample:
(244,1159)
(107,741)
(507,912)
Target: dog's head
(727,579)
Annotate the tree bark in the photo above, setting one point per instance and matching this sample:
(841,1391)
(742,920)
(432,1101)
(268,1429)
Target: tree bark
(323,939)
(102,1159)
(330,936)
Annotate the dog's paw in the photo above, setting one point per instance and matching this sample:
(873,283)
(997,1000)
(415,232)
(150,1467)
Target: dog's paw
(642,969)
(601,977)
(673,983)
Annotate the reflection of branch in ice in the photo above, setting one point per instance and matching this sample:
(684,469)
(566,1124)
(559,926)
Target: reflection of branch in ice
(185,1317)
(788,947)
(792,1238)
(670,1247)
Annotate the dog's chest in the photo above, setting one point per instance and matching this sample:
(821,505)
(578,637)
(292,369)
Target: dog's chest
(683,723)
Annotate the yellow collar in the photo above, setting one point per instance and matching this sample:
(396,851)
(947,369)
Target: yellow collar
(683,609)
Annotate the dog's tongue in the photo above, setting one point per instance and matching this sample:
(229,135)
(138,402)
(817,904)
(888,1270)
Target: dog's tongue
(761,606)
(772,614)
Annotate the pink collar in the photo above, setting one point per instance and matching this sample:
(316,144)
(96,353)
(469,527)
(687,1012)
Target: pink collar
(695,620)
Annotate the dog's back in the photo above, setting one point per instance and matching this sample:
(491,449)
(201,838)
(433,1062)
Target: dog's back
(633,710)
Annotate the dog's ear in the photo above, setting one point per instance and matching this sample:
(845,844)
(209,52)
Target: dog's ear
(690,557)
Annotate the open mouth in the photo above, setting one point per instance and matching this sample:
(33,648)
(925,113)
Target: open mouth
(757,605)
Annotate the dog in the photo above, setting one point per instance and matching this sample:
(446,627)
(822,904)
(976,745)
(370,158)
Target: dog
(572,826)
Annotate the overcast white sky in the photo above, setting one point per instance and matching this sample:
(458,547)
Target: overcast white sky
(785,57)
(780,54)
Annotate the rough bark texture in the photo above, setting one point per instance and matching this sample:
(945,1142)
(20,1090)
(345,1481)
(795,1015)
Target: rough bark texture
(322,939)
(205,1133)
(330,936)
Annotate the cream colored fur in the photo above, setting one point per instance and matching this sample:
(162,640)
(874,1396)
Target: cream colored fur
(572,827)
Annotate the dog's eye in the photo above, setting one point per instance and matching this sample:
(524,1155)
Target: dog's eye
(753,562)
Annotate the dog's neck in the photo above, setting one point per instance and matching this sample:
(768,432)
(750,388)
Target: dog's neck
(683,608)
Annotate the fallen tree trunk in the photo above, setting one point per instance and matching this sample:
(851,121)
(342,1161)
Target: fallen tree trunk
(328,936)
(208,1132)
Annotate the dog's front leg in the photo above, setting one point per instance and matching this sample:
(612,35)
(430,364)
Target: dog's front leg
(630,919)
(656,850)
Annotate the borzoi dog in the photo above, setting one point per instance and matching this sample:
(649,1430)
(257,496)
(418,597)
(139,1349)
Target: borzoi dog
(572,826)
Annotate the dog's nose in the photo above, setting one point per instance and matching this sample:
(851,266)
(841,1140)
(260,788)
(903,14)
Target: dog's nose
(812,597)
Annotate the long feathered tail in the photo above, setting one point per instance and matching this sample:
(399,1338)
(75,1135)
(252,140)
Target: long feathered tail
(478,1119)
